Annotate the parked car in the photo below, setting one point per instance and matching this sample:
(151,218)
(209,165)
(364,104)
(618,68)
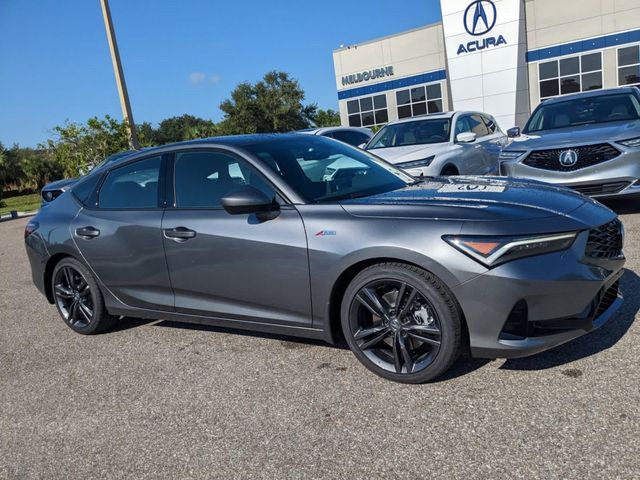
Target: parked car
(231,231)
(53,190)
(588,141)
(451,143)
(352,135)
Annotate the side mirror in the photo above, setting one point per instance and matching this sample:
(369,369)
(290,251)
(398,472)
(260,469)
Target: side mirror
(249,200)
(513,132)
(466,137)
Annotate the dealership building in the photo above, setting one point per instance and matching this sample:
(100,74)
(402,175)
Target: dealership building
(502,57)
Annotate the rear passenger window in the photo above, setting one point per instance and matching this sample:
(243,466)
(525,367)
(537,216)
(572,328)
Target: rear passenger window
(203,178)
(134,186)
(491,125)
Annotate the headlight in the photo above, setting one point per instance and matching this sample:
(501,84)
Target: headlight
(492,251)
(511,154)
(425,162)
(632,142)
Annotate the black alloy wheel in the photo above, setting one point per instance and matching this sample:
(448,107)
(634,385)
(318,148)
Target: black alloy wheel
(401,322)
(78,298)
(73,297)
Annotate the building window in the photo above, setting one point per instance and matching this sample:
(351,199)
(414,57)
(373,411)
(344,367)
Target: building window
(368,111)
(629,65)
(419,100)
(570,75)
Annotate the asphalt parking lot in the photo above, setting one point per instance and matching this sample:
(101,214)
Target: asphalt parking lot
(164,400)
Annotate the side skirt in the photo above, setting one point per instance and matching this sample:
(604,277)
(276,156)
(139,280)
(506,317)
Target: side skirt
(290,330)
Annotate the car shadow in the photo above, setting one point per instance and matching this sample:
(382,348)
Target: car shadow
(582,347)
(597,341)
(293,341)
(623,207)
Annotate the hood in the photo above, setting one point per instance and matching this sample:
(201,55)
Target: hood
(475,199)
(59,184)
(576,136)
(410,152)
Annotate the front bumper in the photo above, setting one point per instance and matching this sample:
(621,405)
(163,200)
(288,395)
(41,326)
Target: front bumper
(530,305)
(615,178)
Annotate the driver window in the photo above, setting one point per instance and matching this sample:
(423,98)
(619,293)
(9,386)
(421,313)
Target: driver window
(202,178)
(462,125)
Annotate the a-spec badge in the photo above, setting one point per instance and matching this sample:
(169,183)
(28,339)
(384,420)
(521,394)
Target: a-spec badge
(326,233)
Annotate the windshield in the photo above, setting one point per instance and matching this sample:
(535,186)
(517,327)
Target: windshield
(324,170)
(584,111)
(418,132)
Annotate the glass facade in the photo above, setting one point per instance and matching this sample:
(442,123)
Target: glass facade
(570,75)
(419,100)
(368,111)
(629,65)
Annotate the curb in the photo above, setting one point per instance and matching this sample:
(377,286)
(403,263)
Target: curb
(16,215)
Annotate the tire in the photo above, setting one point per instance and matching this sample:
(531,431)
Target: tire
(73,284)
(449,170)
(410,324)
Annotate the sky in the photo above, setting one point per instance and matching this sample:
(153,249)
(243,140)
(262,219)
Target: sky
(178,56)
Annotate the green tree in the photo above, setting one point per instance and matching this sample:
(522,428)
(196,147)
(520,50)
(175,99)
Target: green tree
(38,168)
(11,173)
(184,127)
(79,147)
(327,118)
(273,104)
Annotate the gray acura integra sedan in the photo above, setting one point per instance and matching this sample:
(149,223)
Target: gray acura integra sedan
(251,232)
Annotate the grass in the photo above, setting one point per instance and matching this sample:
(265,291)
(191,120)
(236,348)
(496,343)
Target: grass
(21,203)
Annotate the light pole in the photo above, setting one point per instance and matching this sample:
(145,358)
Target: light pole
(117,70)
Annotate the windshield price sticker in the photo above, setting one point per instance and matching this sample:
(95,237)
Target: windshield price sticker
(469,187)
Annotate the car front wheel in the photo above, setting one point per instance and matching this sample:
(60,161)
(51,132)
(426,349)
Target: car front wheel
(401,322)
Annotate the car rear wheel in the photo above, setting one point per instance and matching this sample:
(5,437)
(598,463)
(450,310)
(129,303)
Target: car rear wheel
(401,322)
(78,298)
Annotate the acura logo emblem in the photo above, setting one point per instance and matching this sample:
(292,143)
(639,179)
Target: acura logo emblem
(568,158)
(480,17)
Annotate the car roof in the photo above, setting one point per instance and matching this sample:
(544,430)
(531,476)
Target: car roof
(590,93)
(322,130)
(230,140)
(431,116)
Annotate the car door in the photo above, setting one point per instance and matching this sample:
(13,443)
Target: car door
(233,266)
(486,141)
(472,157)
(121,237)
(494,144)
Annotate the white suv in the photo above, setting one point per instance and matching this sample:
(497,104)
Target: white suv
(450,143)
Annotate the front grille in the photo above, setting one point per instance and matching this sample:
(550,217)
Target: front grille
(601,188)
(587,156)
(608,298)
(605,241)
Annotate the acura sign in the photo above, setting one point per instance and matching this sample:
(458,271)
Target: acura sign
(479,19)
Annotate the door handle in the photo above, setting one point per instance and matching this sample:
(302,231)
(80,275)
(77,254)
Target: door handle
(87,232)
(179,234)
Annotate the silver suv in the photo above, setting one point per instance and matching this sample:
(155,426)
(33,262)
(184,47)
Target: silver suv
(450,143)
(588,141)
